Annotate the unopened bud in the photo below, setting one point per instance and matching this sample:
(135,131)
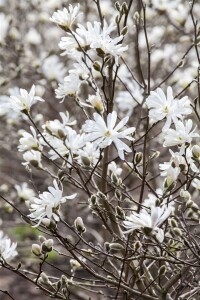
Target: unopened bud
(120,212)
(138,157)
(44,278)
(136,17)
(124,8)
(75,265)
(46,222)
(136,246)
(118,194)
(107,246)
(47,246)
(114,178)
(196,152)
(100,52)
(173,223)
(79,225)
(93,200)
(85,160)
(116,247)
(97,66)
(117,6)
(189,203)
(185,194)
(124,31)
(177,231)
(162,271)
(36,249)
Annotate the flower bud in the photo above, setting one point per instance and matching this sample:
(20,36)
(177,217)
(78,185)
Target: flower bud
(116,246)
(136,246)
(196,152)
(120,212)
(97,66)
(47,246)
(44,278)
(138,157)
(114,178)
(162,271)
(136,17)
(124,31)
(36,249)
(173,223)
(85,160)
(117,6)
(177,232)
(107,246)
(79,225)
(124,8)
(75,265)
(118,194)
(185,194)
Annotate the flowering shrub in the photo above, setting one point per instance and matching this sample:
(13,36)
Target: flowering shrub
(109,147)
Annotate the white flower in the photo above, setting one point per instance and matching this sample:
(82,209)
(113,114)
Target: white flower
(114,169)
(24,192)
(32,157)
(47,205)
(58,128)
(70,146)
(53,68)
(104,134)
(167,107)
(179,160)
(29,141)
(66,17)
(181,135)
(94,37)
(96,102)
(69,87)
(152,221)
(7,249)
(25,100)
(89,155)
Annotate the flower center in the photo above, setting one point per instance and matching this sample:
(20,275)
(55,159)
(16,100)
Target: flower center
(166,109)
(108,133)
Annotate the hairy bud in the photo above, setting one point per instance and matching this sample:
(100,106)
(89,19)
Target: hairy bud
(79,225)
(47,246)
(36,249)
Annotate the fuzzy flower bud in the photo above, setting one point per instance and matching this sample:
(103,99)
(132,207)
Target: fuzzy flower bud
(36,249)
(47,246)
(120,213)
(79,225)
(196,152)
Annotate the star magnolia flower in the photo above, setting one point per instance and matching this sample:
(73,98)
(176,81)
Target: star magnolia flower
(147,221)
(32,157)
(181,135)
(47,205)
(66,17)
(7,249)
(25,100)
(24,192)
(104,134)
(179,159)
(167,107)
(29,141)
